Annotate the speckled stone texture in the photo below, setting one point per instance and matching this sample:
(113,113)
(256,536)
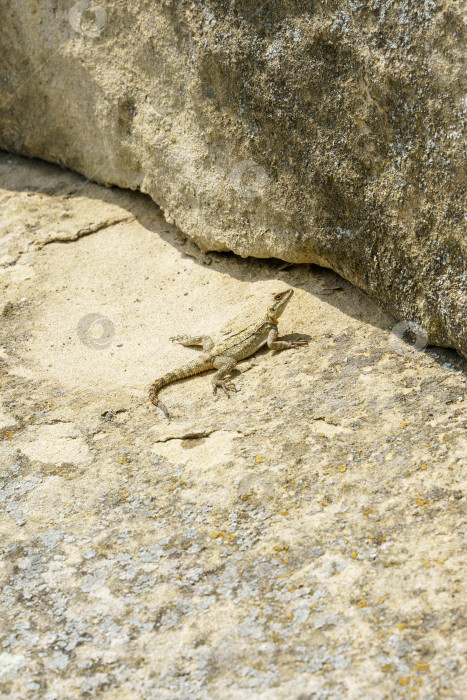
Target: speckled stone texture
(302,540)
(325,132)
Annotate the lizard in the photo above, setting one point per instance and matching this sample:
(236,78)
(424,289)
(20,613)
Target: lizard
(224,355)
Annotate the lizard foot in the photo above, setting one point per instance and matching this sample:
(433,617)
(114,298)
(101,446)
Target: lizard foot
(224,385)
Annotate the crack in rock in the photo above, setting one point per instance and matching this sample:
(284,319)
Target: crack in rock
(189,436)
(87,231)
(82,233)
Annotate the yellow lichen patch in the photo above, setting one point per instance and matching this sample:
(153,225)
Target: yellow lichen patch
(342,468)
(229,536)
(57,469)
(258,459)
(10,432)
(354,554)
(420,501)
(362,603)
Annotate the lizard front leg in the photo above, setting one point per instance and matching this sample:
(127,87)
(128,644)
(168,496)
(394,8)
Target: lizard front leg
(275,344)
(205,341)
(224,364)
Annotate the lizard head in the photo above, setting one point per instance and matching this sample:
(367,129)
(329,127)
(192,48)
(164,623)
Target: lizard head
(278,303)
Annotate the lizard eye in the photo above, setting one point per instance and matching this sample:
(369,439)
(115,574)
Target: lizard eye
(279,296)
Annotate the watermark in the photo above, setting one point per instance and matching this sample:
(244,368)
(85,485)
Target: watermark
(421,654)
(88,18)
(167,103)
(95,331)
(248,178)
(408,335)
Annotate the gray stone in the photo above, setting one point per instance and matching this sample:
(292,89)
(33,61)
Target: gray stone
(329,134)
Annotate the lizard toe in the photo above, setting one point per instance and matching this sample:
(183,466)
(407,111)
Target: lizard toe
(229,388)
(226,387)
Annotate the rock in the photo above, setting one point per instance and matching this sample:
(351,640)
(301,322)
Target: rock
(304,536)
(6,307)
(8,424)
(328,135)
(58,444)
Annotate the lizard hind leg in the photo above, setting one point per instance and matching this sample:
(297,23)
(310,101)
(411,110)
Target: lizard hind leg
(224,364)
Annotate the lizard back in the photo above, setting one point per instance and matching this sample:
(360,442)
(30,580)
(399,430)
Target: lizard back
(245,342)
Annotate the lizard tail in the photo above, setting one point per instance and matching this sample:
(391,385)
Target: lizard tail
(186,371)
(158,403)
(154,399)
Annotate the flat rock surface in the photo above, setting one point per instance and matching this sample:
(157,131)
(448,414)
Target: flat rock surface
(302,539)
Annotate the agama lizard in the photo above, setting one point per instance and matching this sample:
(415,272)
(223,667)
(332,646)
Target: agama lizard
(225,355)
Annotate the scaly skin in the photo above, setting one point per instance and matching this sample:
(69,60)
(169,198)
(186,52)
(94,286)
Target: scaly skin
(225,355)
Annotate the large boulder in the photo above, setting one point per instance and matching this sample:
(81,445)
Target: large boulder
(326,133)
